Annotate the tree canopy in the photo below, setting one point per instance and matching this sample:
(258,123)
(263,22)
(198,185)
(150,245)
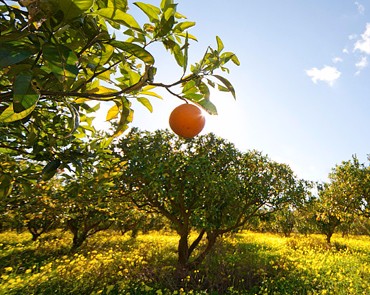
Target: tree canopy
(203,184)
(60,58)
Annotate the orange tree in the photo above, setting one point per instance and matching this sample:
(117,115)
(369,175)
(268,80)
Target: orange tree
(344,197)
(203,184)
(87,196)
(58,56)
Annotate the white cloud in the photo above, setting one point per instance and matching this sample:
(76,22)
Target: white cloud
(337,59)
(361,64)
(326,74)
(345,50)
(363,44)
(360,8)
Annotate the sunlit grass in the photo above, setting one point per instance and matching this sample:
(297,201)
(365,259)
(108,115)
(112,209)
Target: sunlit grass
(244,263)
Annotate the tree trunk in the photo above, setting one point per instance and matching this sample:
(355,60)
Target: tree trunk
(183,249)
(328,237)
(78,240)
(211,241)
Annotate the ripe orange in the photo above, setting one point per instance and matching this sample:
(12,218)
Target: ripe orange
(187,120)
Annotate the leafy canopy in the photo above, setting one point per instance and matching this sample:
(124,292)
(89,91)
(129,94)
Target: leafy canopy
(59,59)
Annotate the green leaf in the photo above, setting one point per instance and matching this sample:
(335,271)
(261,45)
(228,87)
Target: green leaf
(61,60)
(14,36)
(11,54)
(126,117)
(24,95)
(119,17)
(204,90)
(6,185)
(235,60)
(227,84)
(196,97)
(146,103)
(186,55)
(208,106)
(165,4)
(226,56)
(50,169)
(166,26)
(183,26)
(119,4)
(190,87)
(211,83)
(151,93)
(74,8)
(8,115)
(220,45)
(135,50)
(179,56)
(150,10)
(113,112)
(75,118)
(169,12)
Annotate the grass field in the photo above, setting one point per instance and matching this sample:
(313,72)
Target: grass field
(244,263)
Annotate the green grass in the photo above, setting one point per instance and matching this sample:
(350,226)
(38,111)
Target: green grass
(245,263)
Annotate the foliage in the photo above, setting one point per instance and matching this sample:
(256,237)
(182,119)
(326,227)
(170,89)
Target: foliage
(58,57)
(345,197)
(251,264)
(204,184)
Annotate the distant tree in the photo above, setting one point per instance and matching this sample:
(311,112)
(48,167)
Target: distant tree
(285,220)
(87,198)
(345,196)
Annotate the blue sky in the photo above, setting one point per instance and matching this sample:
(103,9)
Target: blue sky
(303,86)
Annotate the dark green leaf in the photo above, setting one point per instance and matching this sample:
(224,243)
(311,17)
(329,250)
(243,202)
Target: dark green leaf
(14,36)
(211,83)
(166,26)
(5,185)
(227,84)
(24,95)
(50,169)
(61,60)
(135,50)
(12,54)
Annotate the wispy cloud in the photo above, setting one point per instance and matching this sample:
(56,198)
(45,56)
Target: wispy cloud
(326,74)
(360,8)
(363,45)
(361,64)
(337,59)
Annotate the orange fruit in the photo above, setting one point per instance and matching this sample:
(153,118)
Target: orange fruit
(187,120)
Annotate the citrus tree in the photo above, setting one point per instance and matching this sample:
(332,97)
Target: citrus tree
(203,184)
(345,196)
(57,57)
